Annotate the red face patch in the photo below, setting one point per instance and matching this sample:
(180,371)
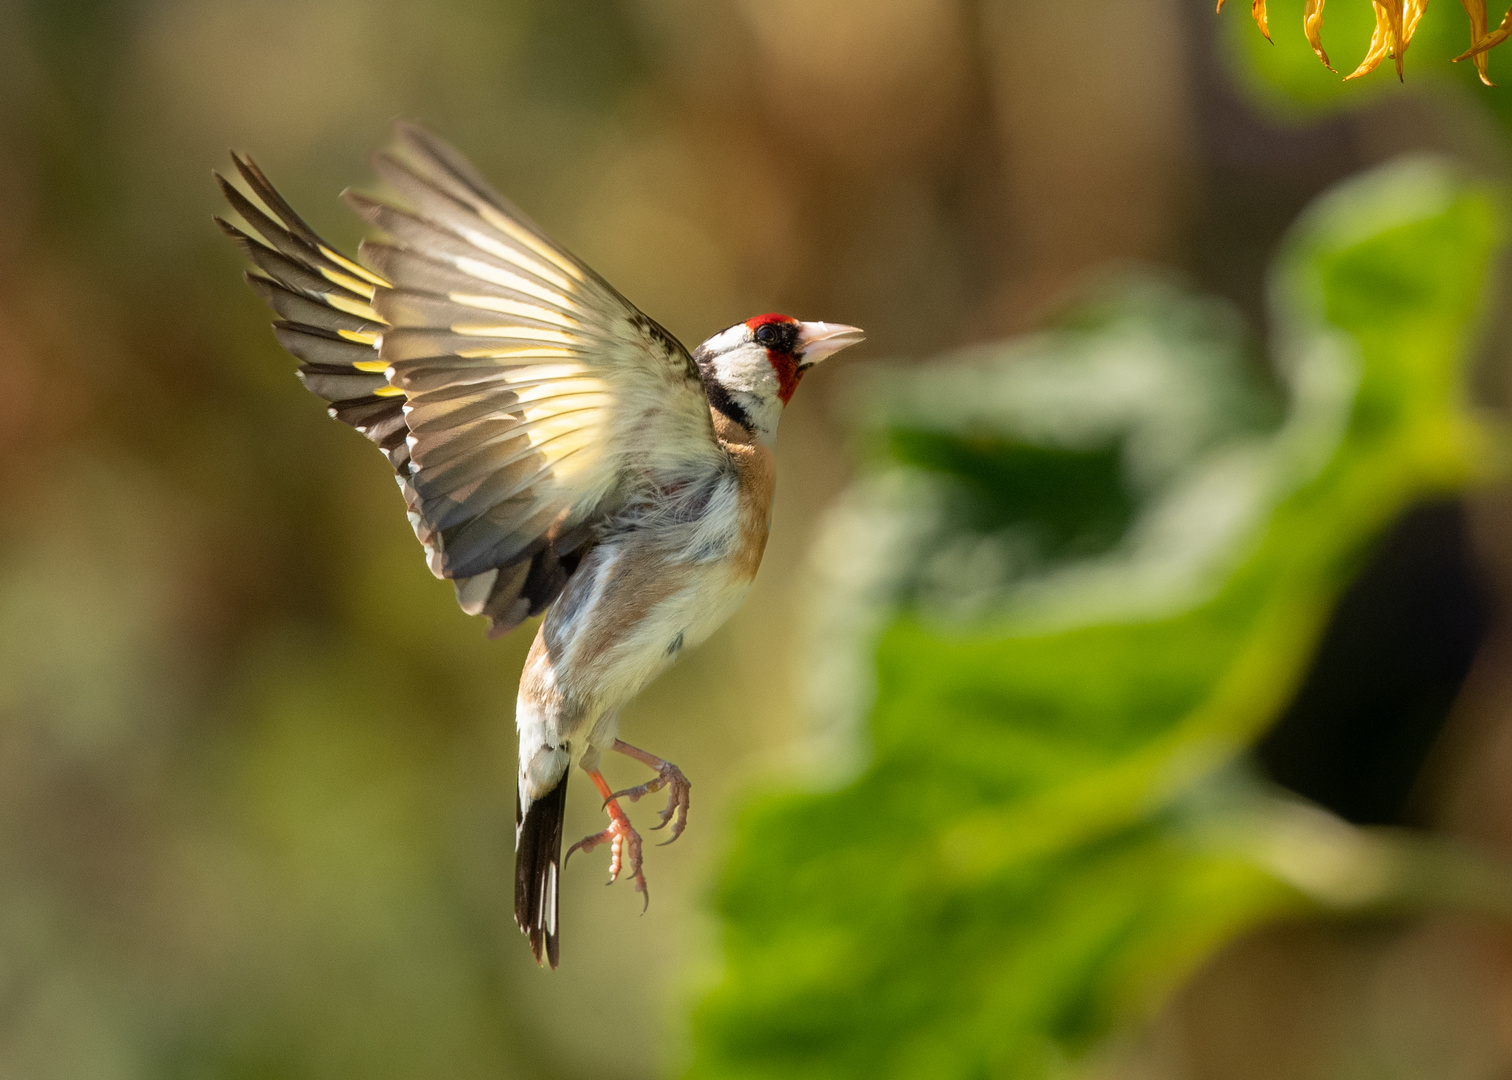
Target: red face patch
(787,374)
(780,350)
(770,319)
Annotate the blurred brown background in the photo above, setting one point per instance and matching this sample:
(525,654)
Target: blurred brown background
(256,770)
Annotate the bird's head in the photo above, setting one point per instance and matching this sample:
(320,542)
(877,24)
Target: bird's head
(751,369)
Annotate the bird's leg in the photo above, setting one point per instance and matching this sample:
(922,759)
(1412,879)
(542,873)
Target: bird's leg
(667,775)
(622,838)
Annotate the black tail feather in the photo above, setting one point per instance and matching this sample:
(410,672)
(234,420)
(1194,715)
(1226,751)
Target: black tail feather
(538,856)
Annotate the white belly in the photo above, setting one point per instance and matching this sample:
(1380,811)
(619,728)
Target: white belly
(575,694)
(704,597)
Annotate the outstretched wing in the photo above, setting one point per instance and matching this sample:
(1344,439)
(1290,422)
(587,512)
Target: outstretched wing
(519,397)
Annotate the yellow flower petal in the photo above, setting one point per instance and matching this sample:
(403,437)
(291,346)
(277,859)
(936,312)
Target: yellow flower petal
(1413,13)
(1483,41)
(1257,10)
(1491,40)
(1312,26)
(1476,11)
(1396,22)
(1394,15)
(1380,45)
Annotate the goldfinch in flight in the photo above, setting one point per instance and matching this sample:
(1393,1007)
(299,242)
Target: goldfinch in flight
(557,450)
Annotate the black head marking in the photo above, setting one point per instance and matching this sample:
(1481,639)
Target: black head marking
(780,337)
(720,398)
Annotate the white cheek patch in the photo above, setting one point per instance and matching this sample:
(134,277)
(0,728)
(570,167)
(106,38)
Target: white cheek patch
(726,340)
(747,368)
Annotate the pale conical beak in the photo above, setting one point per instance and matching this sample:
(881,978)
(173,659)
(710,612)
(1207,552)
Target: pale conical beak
(817,341)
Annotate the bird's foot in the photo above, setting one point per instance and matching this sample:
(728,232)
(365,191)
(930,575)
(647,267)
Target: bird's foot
(624,849)
(667,775)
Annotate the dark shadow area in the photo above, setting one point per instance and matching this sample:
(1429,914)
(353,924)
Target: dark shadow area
(1387,671)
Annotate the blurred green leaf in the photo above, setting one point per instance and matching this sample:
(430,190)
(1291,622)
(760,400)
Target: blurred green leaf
(1027,856)
(1077,498)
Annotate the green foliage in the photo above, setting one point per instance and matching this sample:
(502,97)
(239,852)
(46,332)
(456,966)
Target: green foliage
(1032,851)
(1070,499)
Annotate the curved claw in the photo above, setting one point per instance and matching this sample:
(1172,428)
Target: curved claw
(676,813)
(678,802)
(635,794)
(624,850)
(587,843)
(610,836)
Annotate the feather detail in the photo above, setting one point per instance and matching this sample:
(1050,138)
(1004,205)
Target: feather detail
(538,855)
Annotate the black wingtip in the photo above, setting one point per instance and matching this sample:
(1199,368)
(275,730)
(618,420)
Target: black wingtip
(248,170)
(419,139)
(263,188)
(433,153)
(245,165)
(231,230)
(410,133)
(364,206)
(225,185)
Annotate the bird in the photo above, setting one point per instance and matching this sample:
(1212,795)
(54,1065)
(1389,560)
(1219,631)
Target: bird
(558,452)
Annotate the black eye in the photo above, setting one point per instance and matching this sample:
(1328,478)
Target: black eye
(766,335)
